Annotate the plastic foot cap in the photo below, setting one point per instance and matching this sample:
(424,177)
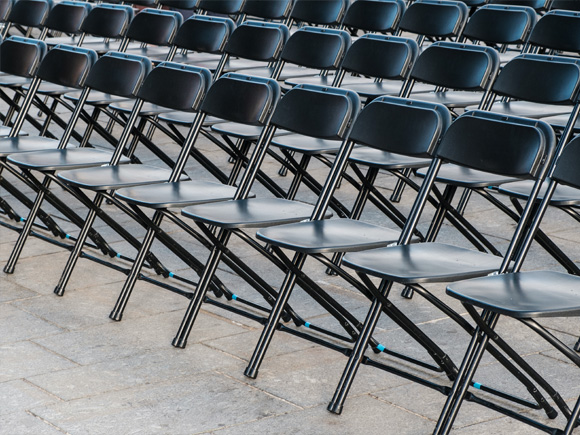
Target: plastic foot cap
(179,343)
(9,269)
(407,293)
(334,408)
(58,291)
(251,373)
(116,316)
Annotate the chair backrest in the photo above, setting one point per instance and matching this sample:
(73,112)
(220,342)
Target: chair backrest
(241,98)
(381,56)
(67,16)
(374,16)
(569,5)
(258,40)
(118,74)
(319,12)
(435,18)
(154,26)
(499,24)
(30,13)
(180,4)
(540,79)
(317,111)
(176,86)
(21,56)
(205,34)
(66,65)
(499,144)
(566,169)
(401,126)
(5,8)
(457,66)
(108,21)
(538,5)
(224,7)
(558,30)
(314,47)
(268,9)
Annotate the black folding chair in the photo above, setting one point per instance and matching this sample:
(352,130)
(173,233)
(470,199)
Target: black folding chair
(524,296)
(472,141)
(27,15)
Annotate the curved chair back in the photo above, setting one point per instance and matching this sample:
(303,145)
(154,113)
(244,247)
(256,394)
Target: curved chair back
(374,16)
(258,40)
(67,16)
(67,66)
(119,74)
(566,169)
(318,48)
(435,18)
(29,13)
(223,7)
(204,34)
(558,30)
(21,56)
(180,4)
(538,5)
(154,26)
(319,12)
(268,9)
(108,21)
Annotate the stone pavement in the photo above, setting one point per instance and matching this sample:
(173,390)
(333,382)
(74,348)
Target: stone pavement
(65,368)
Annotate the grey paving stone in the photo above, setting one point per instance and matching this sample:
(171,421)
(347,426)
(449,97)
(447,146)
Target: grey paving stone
(32,326)
(185,406)
(23,423)
(17,395)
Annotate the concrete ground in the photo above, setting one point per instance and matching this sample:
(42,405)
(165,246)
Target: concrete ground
(66,368)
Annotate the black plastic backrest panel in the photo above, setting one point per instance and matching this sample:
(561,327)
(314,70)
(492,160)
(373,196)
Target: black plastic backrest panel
(401,126)
(505,145)
(536,4)
(499,24)
(67,16)
(180,4)
(241,98)
(31,13)
(204,34)
(440,18)
(374,16)
(5,8)
(566,170)
(257,40)
(457,66)
(540,78)
(317,111)
(154,26)
(321,12)
(558,30)
(225,7)
(176,86)
(119,74)
(67,66)
(268,9)
(569,5)
(388,57)
(108,21)
(21,56)
(314,47)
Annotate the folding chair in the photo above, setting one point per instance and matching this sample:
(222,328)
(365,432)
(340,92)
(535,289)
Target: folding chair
(306,109)
(27,15)
(114,73)
(524,296)
(473,141)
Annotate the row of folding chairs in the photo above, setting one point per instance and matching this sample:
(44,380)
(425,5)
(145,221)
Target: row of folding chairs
(337,130)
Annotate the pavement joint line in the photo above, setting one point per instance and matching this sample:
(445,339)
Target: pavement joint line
(47,422)
(45,391)
(53,352)
(398,407)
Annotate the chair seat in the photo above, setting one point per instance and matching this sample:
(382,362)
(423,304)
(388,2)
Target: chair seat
(562,197)
(311,80)
(250,213)
(307,145)
(560,121)
(186,118)
(288,72)
(96,43)
(333,235)
(243,131)
(148,109)
(5,131)
(451,99)
(465,177)
(180,194)
(522,295)
(70,158)
(115,177)
(525,109)
(25,144)
(96,98)
(423,263)
(373,157)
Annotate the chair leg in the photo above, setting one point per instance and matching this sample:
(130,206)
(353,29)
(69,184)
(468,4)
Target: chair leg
(357,354)
(75,253)
(27,228)
(573,422)
(273,319)
(577,346)
(117,313)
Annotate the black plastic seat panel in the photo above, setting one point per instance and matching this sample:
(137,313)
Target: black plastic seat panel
(250,213)
(179,194)
(306,145)
(423,263)
(332,235)
(564,196)
(64,159)
(386,160)
(115,177)
(465,177)
(243,131)
(96,98)
(148,109)
(186,118)
(560,121)
(24,144)
(451,99)
(311,80)
(522,295)
(525,109)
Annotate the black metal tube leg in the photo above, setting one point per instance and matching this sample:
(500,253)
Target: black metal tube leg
(192,311)
(17,249)
(357,354)
(117,313)
(577,346)
(78,247)
(573,419)
(273,319)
